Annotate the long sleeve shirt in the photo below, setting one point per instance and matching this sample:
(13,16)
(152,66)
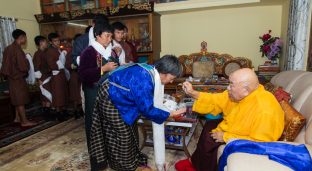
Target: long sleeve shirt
(80,44)
(40,64)
(14,65)
(137,95)
(52,57)
(258,117)
(89,69)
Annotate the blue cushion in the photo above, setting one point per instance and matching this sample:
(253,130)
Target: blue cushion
(212,117)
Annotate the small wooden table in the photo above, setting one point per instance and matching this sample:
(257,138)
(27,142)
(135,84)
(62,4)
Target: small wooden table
(187,129)
(178,132)
(186,134)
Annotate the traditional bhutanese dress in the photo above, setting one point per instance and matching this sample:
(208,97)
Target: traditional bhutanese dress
(74,84)
(127,93)
(56,61)
(89,72)
(41,67)
(15,66)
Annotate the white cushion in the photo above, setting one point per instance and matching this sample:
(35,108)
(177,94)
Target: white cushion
(301,136)
(284,78)
(248,162)
(308,134)
(220,151)
(254,162)
(300,84)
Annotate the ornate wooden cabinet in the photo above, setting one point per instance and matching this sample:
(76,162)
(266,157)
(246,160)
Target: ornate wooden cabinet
(142,22)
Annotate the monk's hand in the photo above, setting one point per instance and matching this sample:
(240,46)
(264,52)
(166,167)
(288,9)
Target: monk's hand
(109,66)
(177,113)
(217,136)
(187,87)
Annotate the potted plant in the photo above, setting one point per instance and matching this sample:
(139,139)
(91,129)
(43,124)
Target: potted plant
(271,47)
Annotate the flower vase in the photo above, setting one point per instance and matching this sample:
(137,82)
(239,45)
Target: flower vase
(274,62)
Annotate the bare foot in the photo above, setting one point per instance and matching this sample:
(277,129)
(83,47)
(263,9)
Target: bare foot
(28,124)
(16,121)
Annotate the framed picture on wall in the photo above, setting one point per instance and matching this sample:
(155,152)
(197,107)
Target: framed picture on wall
(144,38)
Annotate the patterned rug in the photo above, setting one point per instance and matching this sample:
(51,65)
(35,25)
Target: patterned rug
(63,148)
(12,132)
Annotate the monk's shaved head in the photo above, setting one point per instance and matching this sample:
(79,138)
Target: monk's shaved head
(242,83)
(247,77)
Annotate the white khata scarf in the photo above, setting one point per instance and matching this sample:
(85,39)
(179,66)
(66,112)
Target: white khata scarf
(91,36)
(91,40)
(32,75)
(122,56)
(159,129)
(61,65)
(31,72)
(105,52)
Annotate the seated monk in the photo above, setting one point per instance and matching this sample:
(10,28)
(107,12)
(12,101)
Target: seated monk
(249,112)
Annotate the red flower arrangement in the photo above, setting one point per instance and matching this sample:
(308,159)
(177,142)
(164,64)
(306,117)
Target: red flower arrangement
(271,46)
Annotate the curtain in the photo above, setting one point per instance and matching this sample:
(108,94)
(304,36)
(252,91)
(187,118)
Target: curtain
(299,12)
(7,26)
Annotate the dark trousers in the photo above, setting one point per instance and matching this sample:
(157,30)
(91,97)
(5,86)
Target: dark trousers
(205,156)
(90,95)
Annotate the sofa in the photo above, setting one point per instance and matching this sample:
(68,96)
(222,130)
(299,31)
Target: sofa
(299,85)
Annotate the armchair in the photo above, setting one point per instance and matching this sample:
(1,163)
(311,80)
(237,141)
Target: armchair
(299,85)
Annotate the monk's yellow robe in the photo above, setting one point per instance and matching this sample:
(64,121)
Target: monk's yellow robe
(258,117)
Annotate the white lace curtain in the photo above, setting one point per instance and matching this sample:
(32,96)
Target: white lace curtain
(7,26)
(299,12)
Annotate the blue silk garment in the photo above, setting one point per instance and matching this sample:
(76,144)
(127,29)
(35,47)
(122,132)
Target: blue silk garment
(131,91)
(296,157)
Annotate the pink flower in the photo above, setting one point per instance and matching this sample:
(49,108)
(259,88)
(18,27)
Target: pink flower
(266,37)
(271,46)
(266,48)
(278,42)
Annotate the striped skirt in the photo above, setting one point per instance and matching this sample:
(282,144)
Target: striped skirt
(113,142)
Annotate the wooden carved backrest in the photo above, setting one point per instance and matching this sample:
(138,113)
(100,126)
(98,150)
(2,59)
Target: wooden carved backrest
(218,59)
(245,62)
